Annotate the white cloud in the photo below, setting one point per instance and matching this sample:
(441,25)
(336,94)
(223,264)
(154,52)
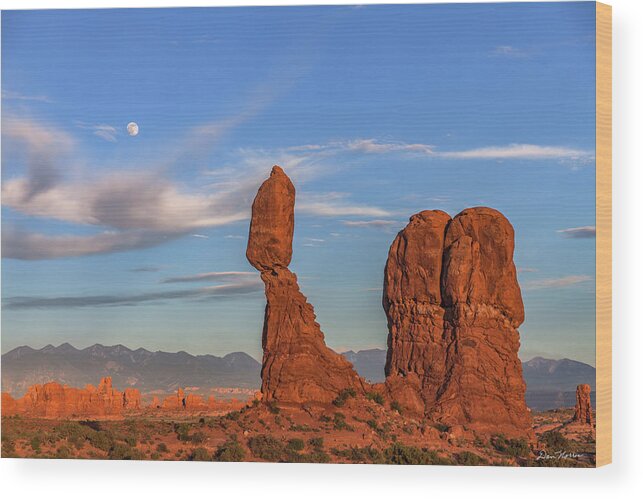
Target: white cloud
(586,232)
(335,204)
(560,282)
(372,146)
(519,151)
(379,224)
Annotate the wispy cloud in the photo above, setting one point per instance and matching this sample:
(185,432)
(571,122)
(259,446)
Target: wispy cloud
(519,151)
(378,224)
(372,146)
(230,276)
(335,204)
(560,282)
(23,303)
(200,236)
(18,96)
(526,270)
(586,232)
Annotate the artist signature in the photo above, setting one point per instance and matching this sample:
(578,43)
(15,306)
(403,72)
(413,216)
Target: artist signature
(561,454)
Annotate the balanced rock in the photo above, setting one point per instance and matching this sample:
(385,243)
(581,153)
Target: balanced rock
(583,412)
(453,306)
(297,365)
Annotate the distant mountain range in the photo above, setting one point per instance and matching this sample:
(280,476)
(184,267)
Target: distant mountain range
(142,369)
(550,383)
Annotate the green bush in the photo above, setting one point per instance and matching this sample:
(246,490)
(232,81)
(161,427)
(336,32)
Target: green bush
(230,451)
(362,455)
(339,422)
(375,397)
(102,440)
(467,458)
(295,444)
(266,447)
(441,427)
(405,454)
(396,406)
(123,452)
(63,452)
(316,443)
(161,447)
(36,442)
(554,440)
(199,454)
(510,446)
(344,395)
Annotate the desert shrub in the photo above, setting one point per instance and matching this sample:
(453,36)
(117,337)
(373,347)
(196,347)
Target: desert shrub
(406,454)
(396,406)
(372,424)
(161,447)
(63,452)
(325,419)
(130,440)
(467,458)
(441,427)
(343,396)
(233,416)
(295,444)
(316,443)
(360,454)
(266,447)
(199,454)
(554,440)
(8,446)
(123,452)
(36,442)
(182,431)
(197,437)
(339,422)
(102,440)
(510,446)
(230,451)
(155,456)
(375,397)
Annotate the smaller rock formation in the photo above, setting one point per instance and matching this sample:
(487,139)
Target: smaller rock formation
(131,398)
(297,365)
(53,400)
(583,412)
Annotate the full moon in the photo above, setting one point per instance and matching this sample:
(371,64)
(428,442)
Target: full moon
(132,129)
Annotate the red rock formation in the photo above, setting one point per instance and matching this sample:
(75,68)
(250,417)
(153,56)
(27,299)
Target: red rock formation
(53,400)
(412,300)
(155,404)
(454,305)
(131,398)
(175,402)
(195,403)
(583,413)
(297,364)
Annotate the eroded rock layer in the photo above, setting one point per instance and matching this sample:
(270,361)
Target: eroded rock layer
(297,365)
(53,400)
(454,305)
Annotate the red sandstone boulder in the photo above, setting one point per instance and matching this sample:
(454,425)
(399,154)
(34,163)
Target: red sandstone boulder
(297,364)
(583,413)
(131,399)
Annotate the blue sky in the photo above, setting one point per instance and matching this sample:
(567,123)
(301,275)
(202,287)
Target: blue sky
(376,113)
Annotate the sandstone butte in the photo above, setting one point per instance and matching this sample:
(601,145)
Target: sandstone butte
(583,411)
(297,365)
(53,400)
(453,307)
